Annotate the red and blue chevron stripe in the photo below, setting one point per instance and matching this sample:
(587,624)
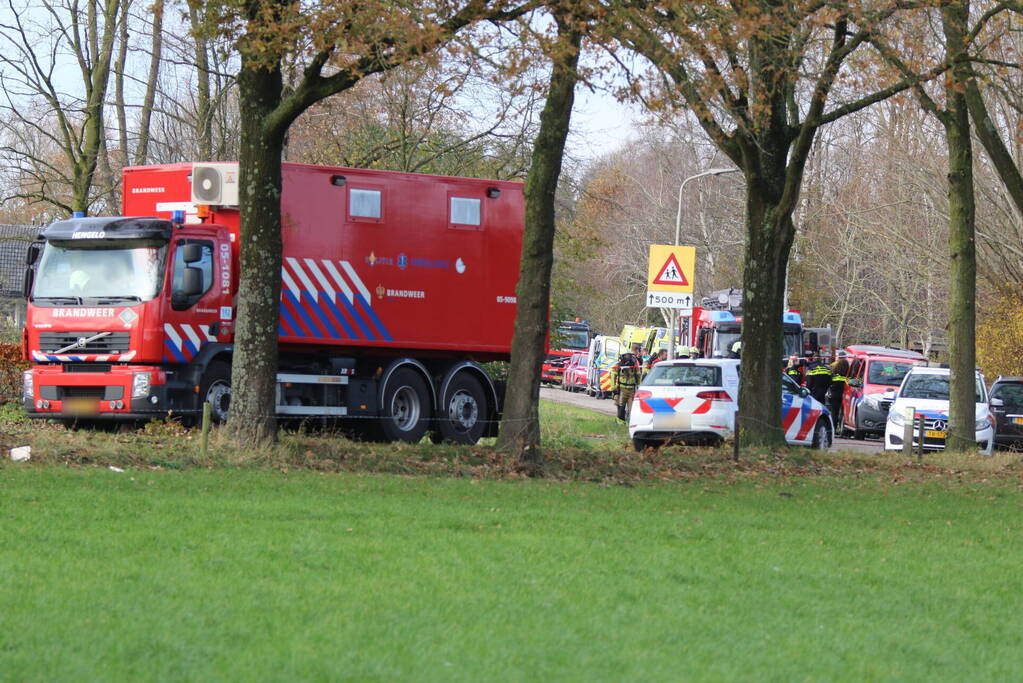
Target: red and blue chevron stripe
(318,301)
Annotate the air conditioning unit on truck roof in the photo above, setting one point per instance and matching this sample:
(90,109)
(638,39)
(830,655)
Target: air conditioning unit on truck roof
(215,184)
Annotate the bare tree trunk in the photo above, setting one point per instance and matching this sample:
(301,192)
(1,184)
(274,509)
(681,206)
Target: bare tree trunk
(999,154)
(254,366)
(96,80)
(119,65)
(766,263)
(204,106)
(146,114)
(520,425)
(961,238)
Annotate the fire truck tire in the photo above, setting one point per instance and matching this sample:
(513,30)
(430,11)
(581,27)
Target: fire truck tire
(405,409)
(216,390)
(464,410)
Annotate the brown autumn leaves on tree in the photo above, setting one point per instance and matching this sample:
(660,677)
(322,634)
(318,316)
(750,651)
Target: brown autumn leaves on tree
(330,48)
(761,78)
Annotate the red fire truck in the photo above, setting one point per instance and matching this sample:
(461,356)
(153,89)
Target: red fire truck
(395,287)
(716,325)
(570,336)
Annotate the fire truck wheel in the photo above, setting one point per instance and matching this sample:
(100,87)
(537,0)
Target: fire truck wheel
(464,410)
(405,408)
(216,390)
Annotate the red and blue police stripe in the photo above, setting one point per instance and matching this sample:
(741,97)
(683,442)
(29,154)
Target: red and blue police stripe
(798,420)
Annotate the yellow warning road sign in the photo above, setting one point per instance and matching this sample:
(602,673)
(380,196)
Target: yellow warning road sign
(671,269)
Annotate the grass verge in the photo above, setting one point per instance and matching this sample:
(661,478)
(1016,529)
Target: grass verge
(578,445)
(255,575)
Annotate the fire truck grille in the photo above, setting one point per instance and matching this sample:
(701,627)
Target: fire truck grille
(115,342)
(87,367)
(83,392)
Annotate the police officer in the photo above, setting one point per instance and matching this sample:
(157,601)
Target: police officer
(839,378)
(625,376)
(794,370)
(818,379)
(735,350)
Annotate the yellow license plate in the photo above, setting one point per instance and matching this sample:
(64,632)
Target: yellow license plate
(934,434)
(1017,420)
(82,406)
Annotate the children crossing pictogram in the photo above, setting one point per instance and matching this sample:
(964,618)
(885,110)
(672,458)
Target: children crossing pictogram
(670,276)
(671,273)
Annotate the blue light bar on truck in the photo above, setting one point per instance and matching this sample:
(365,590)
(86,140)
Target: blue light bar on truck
(722,317)
(790,317)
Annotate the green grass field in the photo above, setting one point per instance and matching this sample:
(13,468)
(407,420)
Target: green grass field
(245,574)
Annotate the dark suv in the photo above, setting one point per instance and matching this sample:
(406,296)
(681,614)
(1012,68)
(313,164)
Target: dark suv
(1007,407)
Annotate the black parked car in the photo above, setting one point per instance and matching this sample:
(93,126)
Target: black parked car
(1007,406)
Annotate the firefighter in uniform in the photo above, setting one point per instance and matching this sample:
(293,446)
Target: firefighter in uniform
(625,376)
(818,380)
(839,378)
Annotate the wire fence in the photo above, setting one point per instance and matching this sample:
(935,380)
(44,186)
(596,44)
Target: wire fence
(14,241)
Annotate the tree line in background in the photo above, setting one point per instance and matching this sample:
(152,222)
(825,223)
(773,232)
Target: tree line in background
(850,124)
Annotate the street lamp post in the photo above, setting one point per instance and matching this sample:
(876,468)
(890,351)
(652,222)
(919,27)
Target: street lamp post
(678,229)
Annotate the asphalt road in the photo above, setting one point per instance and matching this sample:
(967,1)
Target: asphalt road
(581,400)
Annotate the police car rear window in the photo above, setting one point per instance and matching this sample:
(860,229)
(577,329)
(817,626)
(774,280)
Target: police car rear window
(684,376)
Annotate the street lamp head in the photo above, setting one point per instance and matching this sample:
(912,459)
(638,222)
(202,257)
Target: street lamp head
(719,171)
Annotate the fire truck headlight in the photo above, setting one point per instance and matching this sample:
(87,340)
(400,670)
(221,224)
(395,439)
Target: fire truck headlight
(140,385)
(27,385)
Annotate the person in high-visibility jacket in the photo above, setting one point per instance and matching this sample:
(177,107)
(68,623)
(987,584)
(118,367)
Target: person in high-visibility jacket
(625,376)
(794,370)
(839,378)
(818,380)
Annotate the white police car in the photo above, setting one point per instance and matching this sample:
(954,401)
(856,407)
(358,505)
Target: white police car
(926,390)
(694,401)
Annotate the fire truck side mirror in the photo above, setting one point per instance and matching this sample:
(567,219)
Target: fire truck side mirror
(191,284)
(185,294)
(32,254)
(191,253)
(26,285)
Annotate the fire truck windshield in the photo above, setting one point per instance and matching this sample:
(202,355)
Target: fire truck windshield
(723,340)
(793,340)
(573,339)
(97,274)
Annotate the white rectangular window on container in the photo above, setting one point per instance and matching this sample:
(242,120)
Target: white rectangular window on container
(465,211)
(364,203)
